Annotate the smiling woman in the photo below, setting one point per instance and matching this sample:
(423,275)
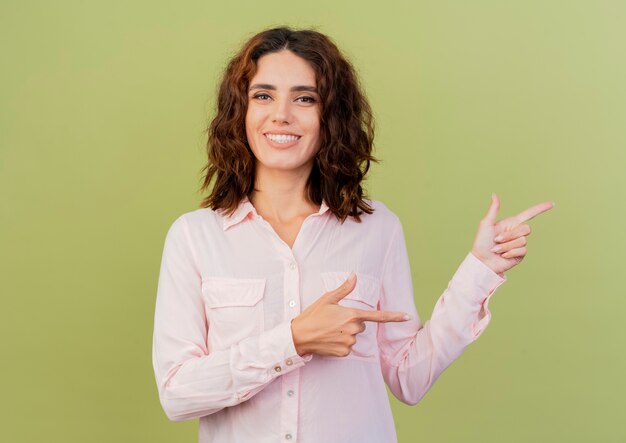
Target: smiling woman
(303,76)
(264,292)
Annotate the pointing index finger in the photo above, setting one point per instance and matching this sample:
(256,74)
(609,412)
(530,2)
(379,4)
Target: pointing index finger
(532,212)
(381,316)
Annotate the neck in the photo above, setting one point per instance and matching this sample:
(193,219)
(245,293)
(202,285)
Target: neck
(281,196)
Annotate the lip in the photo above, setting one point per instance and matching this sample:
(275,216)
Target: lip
(281,145)
(278,132)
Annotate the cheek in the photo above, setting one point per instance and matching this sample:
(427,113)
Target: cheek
(313,125)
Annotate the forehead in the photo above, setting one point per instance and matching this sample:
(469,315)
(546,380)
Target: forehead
(284,68)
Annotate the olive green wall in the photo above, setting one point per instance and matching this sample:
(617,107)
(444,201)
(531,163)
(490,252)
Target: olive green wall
(102,108)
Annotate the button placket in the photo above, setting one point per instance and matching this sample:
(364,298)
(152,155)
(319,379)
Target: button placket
(290,404)
(291,285)
(290,377)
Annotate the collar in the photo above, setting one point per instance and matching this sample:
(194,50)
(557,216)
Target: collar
(246,209)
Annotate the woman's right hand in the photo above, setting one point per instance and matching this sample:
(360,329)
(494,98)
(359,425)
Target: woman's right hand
(326,328)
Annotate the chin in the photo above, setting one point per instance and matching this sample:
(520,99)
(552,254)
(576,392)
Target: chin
(282,166)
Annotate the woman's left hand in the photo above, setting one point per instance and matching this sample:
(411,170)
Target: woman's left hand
(509,235)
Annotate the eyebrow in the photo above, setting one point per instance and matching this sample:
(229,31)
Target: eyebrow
(300,88)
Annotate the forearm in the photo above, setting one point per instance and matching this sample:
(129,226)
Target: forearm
(204,384)
(460,316)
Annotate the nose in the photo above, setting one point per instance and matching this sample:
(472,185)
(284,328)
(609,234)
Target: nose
(281,113)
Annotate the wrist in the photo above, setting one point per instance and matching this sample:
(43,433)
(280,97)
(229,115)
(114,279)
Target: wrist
(296,337)
(488,264)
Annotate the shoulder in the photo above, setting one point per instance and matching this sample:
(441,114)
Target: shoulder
(382,215)
(193,222)
(199,216)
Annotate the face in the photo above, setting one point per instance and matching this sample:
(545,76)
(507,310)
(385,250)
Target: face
(283,115)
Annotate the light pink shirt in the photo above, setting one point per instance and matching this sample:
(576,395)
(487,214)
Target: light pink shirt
(223,350)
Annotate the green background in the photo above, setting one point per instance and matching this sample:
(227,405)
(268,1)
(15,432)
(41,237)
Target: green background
(102,111)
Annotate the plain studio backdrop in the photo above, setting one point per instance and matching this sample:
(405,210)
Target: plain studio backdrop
(102,111)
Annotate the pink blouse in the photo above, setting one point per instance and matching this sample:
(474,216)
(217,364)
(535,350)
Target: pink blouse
(223,349)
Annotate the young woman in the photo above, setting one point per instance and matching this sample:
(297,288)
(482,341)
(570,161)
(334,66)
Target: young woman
(285,303)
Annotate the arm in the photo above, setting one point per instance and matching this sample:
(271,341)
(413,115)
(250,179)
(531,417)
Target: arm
(413,355)
(193,381)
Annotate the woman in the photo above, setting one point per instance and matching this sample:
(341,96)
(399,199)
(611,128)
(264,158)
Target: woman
(285,303)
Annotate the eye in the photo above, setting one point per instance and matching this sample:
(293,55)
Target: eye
(261,96)
(306,99)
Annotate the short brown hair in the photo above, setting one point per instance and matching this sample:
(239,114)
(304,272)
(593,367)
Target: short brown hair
(346,126)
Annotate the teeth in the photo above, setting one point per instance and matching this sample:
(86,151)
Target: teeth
(282,138)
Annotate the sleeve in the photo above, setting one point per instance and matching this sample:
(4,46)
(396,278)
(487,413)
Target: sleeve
(193,382)
(412,355)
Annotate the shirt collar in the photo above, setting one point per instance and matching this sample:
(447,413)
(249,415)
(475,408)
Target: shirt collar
(245,209)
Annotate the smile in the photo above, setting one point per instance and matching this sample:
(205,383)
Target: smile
(282,138)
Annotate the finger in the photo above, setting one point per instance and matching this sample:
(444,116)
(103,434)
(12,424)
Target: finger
(381,316)
(517,252)
(338,294)
(518,231)
(353,328)
(532,212)
(492,213)
(504,247)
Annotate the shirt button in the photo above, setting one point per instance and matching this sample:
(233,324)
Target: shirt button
(278,369)
(292,303)
(289,362)
(292,266)
(290,393)
(287,436)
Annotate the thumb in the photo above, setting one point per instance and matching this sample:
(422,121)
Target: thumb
(492,213)
(338,294)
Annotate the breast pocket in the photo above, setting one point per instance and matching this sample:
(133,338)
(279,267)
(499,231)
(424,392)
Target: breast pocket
(234,309)
(365,296)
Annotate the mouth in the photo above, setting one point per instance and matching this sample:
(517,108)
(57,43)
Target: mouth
(282,138)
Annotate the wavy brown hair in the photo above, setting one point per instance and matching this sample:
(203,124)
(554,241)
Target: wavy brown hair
(346,127)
